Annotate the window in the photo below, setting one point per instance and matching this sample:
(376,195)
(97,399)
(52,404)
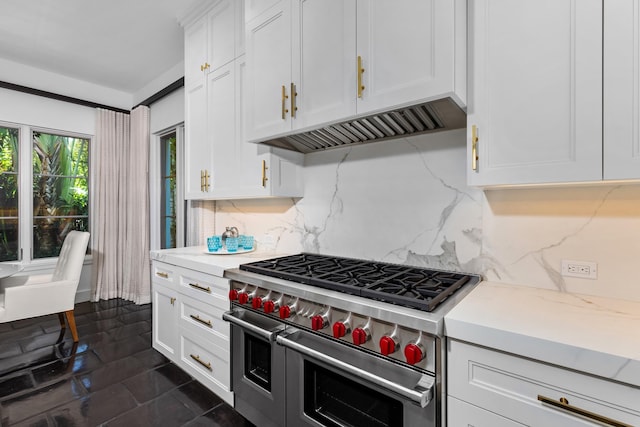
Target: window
(169,191)
(60,190)
(167,204)
(44,190)
(9,235)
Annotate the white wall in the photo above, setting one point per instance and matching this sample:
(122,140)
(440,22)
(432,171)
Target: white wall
(32,110)
(159,83)
(36,78)
(167,112)
(406,201)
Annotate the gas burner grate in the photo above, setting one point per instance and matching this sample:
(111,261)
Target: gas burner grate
(419,288)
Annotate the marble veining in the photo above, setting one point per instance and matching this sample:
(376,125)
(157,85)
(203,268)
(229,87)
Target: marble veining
(406,201)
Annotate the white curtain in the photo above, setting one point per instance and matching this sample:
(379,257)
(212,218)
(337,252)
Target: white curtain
(120,206)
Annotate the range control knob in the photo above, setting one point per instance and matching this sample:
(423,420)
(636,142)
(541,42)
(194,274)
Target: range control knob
(286,311)
(243,297)
(256,303)
(233,295)
(360,336)
(388,345)
(269,307)
(318,322)
(414,353)
(339,329)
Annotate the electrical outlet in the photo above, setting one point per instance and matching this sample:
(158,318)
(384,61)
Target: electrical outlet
(581,269)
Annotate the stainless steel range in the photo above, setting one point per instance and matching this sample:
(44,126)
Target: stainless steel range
(330,341)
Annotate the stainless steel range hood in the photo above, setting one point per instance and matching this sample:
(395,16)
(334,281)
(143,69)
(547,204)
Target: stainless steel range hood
(433,116)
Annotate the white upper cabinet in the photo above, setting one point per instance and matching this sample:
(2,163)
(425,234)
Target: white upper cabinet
(195,51)
(214,40)
(222,128)
(315,62)
(220,164)
(198,151)
(407,49)
(622,89)
(268,44)
(323,60)
(535,95)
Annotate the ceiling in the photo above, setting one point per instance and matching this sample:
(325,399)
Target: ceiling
(119,44)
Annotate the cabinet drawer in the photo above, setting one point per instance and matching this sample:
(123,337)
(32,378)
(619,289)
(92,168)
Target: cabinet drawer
(204,320)
(204,287)
(510,386)
(207,362)
(163,274)
(463,414)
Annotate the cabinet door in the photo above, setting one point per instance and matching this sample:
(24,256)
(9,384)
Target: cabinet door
(324,61)
(165,321)
(268,46)
(222,128)
(195,51)
(263,171)
(622,89)
(222,22)
(197,148)
(535,91)
(407,49)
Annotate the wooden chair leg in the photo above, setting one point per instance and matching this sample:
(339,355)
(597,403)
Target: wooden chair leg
(71,320)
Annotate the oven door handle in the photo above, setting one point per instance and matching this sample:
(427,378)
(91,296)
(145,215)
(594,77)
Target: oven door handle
(231,317)
(420,395)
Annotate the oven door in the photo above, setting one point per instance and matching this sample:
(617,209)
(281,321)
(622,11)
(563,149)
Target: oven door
(330,384)
(257,367)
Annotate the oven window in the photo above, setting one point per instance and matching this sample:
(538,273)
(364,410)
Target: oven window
(257,361)
(336,401)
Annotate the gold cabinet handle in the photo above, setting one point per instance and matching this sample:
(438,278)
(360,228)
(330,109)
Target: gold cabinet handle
(284,102)
(200,288)
(201,67)
(197,359)
(172,300)
(207,180)
(294,93)
(207,66)
(360,71)
(162,274)
(201,180)
(474,148)
(198,319)
(264,173)
(563,404)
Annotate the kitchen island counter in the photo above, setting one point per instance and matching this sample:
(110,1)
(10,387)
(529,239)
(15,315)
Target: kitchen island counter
(595,335)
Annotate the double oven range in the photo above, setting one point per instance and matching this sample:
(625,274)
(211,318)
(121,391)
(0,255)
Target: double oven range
(330,341)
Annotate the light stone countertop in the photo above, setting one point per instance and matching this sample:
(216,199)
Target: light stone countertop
(197,258)
(591,334)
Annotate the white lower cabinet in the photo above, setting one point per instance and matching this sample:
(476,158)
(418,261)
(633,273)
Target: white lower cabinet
(492,388)
(188,327)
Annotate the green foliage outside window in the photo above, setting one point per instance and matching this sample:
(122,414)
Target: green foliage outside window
(60,190)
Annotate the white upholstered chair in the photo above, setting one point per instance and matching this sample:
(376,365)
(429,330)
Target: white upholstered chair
(22,297)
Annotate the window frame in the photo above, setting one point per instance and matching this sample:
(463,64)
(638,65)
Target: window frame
(156,173)
(89,138)
(25,193)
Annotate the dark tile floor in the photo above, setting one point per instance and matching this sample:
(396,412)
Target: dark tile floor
(111,377)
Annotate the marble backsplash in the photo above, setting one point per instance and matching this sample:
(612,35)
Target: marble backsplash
(406,201)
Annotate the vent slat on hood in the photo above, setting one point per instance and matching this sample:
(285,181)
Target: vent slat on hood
(439,115)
